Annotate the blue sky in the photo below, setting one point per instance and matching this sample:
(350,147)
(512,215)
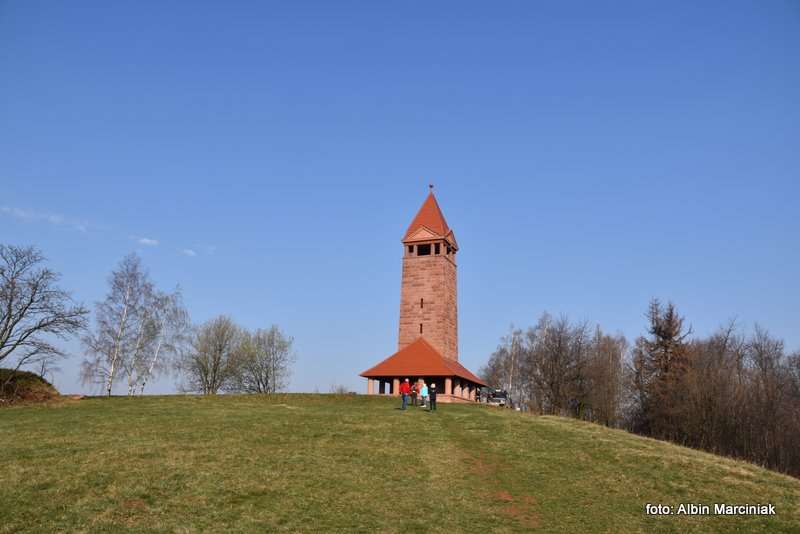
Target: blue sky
(589,156)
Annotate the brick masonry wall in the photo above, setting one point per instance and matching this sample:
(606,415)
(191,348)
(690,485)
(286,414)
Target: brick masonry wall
(432,278)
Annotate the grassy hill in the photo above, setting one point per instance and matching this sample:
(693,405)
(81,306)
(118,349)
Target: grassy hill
(24,386)
(344,463)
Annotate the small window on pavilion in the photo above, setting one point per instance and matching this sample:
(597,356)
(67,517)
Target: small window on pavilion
(436,248)
(411,249)
(424,250)
(420,328)
(421,303)
(448,249)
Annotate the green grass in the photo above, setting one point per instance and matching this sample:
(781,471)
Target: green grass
(354,463)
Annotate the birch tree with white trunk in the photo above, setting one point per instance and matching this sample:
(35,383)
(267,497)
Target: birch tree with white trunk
(172,330)
(121,326)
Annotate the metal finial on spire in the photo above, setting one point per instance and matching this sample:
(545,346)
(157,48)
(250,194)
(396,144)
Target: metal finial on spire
(430,186)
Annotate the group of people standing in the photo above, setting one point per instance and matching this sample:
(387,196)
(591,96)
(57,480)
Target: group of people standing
(418,391)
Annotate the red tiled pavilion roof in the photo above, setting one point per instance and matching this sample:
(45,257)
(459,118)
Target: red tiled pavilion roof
(420,359)
(430,217)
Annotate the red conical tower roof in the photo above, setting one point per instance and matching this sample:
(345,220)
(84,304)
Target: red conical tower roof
(430,217)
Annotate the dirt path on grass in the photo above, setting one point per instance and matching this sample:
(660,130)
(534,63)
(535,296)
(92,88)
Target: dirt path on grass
(486,467)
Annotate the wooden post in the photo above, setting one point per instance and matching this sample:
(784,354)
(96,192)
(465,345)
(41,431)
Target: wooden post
(448,386)
(396,387)
(369,387)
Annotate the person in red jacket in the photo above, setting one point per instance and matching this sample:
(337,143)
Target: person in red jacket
(405,390)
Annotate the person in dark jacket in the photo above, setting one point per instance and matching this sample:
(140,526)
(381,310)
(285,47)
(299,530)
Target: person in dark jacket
(432,397)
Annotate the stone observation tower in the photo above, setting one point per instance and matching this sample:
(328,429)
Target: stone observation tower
(427,345)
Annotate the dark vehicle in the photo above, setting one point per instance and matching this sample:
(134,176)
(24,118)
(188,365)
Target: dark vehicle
(498,397)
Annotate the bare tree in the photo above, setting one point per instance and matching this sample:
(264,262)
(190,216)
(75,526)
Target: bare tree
(47,368)
(123,327)
(555,368)
(208,365)
(603,373)
(503,370)
(769,388)
(32,309)
(133,362)
(555,365)
(264,361)
(793,365)
(714,391)
(495,372)
(171,326)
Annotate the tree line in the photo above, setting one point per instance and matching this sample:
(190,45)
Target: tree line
(225,357)
(140,333)
(728,393)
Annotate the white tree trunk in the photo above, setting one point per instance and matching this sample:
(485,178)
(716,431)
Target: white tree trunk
(118,342)
(152,365)
(134,359)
